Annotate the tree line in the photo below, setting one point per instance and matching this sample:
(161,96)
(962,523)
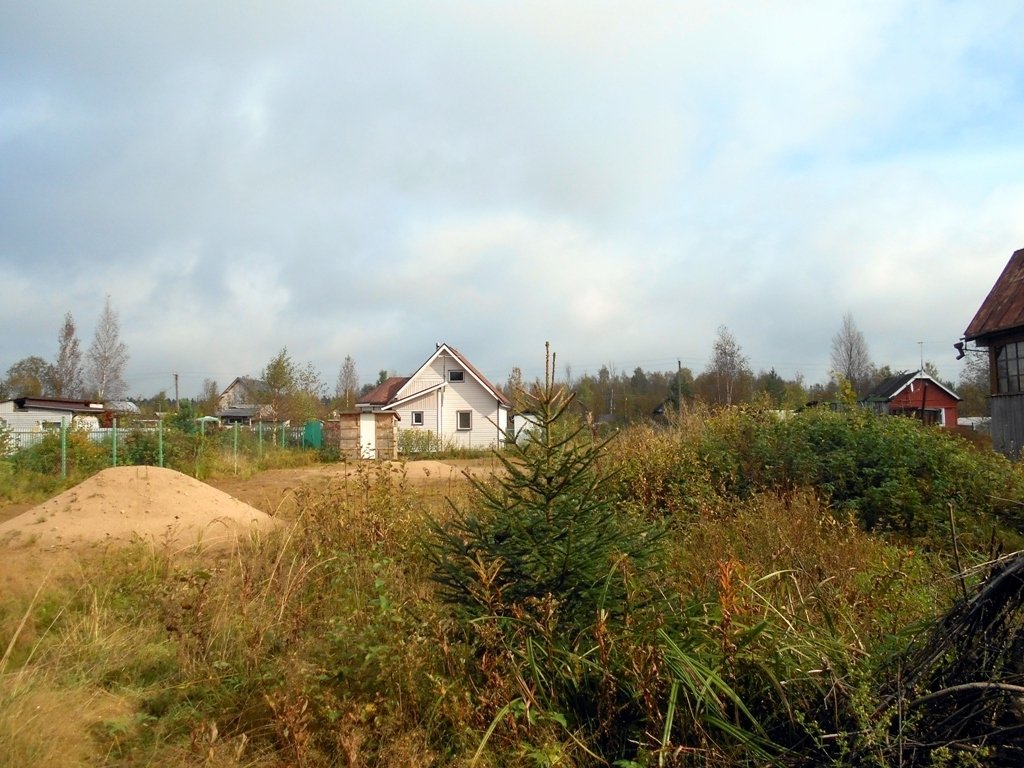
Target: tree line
(728,379)
(298,391)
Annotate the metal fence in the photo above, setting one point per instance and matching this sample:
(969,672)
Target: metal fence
(151,443)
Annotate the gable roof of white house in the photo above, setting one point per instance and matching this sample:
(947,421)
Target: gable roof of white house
(407,392)
(397,390)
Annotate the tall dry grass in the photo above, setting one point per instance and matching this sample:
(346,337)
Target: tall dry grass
(760,638)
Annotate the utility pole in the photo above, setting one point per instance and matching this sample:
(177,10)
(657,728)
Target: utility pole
(175,391)
(679,388)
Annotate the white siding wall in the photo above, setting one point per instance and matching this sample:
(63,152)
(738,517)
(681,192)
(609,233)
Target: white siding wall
(428,404)
(440,408)
(431,375)
(32,420)
(27,426)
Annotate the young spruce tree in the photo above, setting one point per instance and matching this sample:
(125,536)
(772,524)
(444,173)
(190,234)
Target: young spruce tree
(545,533)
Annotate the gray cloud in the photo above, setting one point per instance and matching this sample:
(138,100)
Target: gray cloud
(367,179)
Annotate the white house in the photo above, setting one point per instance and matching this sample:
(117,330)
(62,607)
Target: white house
(447,396)
(25,415)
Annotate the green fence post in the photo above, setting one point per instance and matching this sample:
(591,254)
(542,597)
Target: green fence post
(236,448)
(259,440)
(114,433)
(160,441)
(63,448)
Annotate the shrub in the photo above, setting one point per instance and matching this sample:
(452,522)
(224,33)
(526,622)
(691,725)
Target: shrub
(84,455)
(417,441)
(891,474)
(6,439)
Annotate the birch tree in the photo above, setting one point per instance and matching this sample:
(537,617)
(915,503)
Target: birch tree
(347,387)
(728,365)
(850,358)
(67,370)
(279,376)
(107,357)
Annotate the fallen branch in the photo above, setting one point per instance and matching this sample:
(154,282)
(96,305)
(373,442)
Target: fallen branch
(954,689)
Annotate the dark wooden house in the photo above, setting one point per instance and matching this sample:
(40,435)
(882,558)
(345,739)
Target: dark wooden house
(999,327)
(917,395)
(245,401)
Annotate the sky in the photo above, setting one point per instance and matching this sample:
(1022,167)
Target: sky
(619,179)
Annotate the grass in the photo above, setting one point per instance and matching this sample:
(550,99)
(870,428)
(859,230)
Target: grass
(760,639)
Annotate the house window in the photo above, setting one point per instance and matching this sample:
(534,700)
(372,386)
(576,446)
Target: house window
(1010,368)
(457,377)
(464,420)
(417,418)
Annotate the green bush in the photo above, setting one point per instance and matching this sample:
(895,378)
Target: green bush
(412,442)
(890,473)
(84,455)
(6,439)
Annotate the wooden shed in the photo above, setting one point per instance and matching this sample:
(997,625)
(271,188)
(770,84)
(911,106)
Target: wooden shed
(364,435)
(998,326)
(917,395)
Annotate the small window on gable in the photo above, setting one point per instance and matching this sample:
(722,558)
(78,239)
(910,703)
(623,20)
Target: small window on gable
(417,418)
(456,377)
(464,420)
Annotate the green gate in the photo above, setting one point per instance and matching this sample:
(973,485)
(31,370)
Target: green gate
(313,434)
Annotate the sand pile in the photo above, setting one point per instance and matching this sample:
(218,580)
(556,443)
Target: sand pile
(123,504)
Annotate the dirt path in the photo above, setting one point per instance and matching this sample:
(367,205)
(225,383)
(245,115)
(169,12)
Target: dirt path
(272,490)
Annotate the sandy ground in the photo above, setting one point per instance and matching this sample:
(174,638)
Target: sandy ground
(120,505)
(175,513)
(273,490)
(124,504)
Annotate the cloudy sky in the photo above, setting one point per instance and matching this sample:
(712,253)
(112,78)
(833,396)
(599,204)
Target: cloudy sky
(620,178)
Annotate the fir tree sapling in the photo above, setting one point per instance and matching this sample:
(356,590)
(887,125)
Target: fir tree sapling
(544,529)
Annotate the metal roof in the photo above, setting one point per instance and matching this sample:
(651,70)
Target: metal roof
(383,393)
(57,404)
(1003,308)
(498,394)
(889,388)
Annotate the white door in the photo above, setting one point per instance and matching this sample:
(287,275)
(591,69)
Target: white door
(367,435)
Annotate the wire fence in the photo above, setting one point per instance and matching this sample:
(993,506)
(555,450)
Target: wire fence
(62,448)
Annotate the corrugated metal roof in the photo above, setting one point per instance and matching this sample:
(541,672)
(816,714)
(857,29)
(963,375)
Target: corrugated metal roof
(1003,308)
